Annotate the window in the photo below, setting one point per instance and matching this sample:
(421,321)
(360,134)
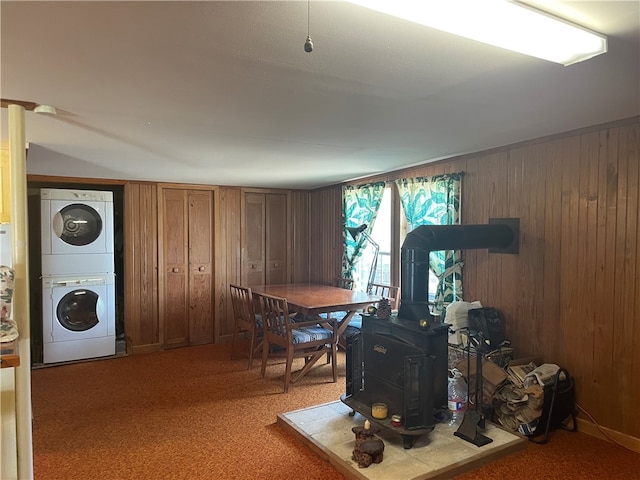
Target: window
(390,218)
(381,234)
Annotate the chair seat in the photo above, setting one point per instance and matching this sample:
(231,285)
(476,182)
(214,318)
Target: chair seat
(337,315)
(356,322)
(350,331)
(310,334)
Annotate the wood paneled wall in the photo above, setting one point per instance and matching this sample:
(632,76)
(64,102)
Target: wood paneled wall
(141,267)
(572,294)
(228,269)
(301,237)
(325,242)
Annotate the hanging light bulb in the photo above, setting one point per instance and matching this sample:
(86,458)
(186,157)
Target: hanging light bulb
(308,44)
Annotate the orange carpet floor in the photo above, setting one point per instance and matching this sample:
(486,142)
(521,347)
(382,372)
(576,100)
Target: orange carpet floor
(192,413)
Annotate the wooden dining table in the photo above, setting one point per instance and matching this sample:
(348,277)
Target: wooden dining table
(309,299)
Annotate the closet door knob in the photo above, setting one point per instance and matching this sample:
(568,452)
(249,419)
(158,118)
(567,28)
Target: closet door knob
(201,269)
(175,269)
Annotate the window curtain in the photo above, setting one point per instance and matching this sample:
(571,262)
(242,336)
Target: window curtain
(436,201)
(360,204)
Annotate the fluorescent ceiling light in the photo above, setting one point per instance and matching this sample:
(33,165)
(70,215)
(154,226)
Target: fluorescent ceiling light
(502,23)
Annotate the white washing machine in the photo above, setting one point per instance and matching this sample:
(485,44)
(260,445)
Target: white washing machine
(78,317)
(77,231)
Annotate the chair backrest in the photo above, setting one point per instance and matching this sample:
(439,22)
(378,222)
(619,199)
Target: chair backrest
(386,291)
(346,283)
(243,309)
(275,314)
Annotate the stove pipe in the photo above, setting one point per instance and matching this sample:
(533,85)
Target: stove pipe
(420,242)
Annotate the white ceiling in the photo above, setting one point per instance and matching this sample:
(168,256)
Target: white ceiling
(223,93)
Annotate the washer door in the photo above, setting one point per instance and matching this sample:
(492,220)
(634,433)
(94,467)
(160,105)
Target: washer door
(77,224)
(78,310)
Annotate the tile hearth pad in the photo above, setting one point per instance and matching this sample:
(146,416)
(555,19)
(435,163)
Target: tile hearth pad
(326,429)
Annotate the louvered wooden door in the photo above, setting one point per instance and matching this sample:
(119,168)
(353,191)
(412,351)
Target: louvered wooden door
(187,267)
(265,243)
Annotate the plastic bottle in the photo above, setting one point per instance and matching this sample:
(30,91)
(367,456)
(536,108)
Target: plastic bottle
(457,396)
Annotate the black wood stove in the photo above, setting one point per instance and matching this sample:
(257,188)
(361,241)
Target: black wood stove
(402,362)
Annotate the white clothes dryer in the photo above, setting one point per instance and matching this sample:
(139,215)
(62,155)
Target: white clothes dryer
(74,223)
(78,317)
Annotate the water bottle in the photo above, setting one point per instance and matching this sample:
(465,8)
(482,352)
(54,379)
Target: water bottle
(457,396)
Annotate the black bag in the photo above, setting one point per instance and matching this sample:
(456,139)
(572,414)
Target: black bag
(559,408)
(490,324)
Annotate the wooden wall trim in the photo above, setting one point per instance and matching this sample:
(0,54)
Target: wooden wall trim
(187,186)
(590,428)
(71,180)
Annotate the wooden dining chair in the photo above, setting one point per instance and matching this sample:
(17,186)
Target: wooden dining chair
(389,292)
(342,282)
(306,339)
(245,321)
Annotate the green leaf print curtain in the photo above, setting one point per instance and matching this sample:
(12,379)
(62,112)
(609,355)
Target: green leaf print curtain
(360,204)
(436,201)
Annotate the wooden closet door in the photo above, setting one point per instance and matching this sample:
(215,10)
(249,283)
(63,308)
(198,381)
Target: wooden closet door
(254,245)
(200,267)
(265,246)
(175,237)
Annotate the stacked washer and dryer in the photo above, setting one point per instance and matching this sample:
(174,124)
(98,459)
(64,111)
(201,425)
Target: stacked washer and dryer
(77,274)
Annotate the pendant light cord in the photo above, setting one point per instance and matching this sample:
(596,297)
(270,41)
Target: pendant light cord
(308,44)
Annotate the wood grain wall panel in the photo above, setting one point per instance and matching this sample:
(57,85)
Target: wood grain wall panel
(626,253)
(572,294)
(551,265)
(527,180)
(495,207)
(585,291)
(141,266)
(471,188)
(477,216)
(325,227)
(570,291)
(300,269)
(602,380)
(228,269)
(633,154)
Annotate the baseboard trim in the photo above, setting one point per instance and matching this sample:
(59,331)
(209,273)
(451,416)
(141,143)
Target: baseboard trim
(150,348)
(632,443)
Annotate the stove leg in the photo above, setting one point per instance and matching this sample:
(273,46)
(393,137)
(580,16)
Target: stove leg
(407,441)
